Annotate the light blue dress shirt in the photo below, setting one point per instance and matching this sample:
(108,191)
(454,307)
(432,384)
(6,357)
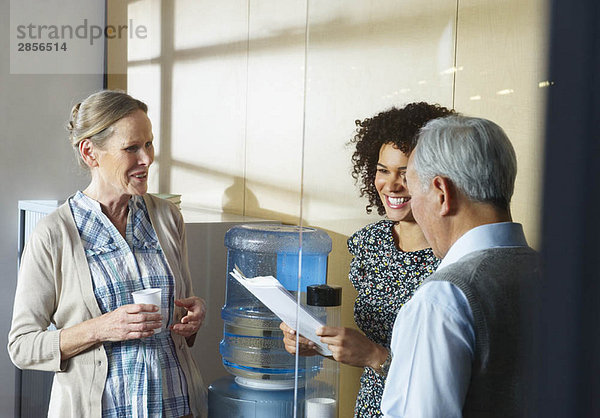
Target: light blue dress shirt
(433,341)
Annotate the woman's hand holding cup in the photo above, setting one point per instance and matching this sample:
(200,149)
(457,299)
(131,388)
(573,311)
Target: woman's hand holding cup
(129,322)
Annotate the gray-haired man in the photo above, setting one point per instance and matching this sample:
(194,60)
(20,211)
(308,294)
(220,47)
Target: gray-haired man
(457,344)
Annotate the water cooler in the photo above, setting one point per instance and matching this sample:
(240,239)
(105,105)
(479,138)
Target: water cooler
(262,372)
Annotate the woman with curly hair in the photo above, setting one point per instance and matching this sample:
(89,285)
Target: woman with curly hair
(391,257)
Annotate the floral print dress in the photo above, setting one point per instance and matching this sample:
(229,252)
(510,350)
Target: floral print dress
(385,278)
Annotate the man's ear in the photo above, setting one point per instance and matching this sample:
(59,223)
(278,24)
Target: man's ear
(86,150)
(445,195)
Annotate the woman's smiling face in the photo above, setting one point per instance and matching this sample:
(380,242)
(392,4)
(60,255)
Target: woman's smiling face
(390,182)
(124,160)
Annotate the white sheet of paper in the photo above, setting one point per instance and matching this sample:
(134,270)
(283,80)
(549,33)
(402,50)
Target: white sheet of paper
(283,304)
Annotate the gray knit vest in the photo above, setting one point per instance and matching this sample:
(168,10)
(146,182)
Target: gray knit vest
(492,280)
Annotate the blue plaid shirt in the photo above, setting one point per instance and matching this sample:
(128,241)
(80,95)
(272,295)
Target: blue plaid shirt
(144,376)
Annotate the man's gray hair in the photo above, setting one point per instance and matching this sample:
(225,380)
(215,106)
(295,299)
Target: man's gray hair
(473,153)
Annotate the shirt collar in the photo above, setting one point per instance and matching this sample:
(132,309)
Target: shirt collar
(501,234)
(87,202)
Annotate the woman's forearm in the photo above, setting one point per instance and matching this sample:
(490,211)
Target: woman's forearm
(127,322)
(78,338)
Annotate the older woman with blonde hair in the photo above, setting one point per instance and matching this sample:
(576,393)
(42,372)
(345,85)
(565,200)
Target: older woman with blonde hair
(111,357)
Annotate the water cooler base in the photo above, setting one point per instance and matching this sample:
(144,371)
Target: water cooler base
(227,399)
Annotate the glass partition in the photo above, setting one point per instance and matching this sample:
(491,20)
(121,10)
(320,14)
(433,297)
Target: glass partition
(253,104)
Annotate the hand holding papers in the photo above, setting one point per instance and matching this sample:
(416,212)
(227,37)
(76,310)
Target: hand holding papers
(283,304)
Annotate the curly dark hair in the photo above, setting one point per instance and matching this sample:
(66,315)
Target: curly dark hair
(394,126)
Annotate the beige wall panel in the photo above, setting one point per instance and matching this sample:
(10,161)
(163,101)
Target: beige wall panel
(215,27)
(362,60)
(210,186)
(208,118)
(145,13)
(198,88)
(501,57)
(274,110)
(208,103)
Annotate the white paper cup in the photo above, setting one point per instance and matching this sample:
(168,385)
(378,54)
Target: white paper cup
(151,297)
(320,408)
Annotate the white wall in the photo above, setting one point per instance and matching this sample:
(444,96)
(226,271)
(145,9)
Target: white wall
(36,162)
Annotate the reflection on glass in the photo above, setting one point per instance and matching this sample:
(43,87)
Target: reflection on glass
(504,92)
(546,83)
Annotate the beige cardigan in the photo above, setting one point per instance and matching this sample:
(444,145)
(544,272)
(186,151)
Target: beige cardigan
(55,286)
